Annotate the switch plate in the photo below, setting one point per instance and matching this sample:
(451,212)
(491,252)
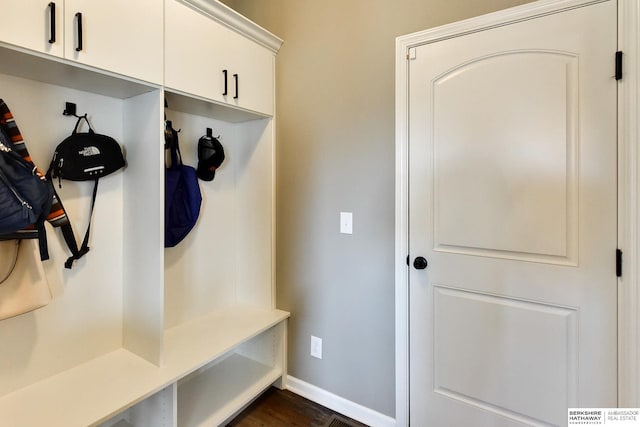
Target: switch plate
(346,223)
(316,347)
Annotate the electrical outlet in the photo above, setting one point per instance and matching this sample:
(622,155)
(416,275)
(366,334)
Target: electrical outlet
(316,347)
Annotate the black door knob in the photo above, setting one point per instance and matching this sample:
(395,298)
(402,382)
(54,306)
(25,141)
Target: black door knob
(420,263)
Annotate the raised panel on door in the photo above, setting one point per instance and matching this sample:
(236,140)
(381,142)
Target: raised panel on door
(34,24)
(509,211)
(509,357)
(122,36)
(195,53)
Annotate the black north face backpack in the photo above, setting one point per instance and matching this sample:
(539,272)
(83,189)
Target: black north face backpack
(84,156)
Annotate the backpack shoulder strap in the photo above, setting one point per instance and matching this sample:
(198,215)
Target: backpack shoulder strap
(172,144)
(70,238)
(13,263)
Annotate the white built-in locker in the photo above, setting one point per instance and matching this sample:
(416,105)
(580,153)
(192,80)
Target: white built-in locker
(136,334)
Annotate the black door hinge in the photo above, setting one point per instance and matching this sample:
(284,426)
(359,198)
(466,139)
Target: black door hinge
(618,263)
(407,259)
(619,65)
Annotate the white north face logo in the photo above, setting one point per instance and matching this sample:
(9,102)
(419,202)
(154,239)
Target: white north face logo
(89,151)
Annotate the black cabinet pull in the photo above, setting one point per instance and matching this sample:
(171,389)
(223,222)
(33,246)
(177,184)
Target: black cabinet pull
(79,22)
(235,77)
(52,25)
(225,83)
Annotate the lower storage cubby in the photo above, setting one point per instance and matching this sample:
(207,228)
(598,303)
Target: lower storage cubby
(157,410)
(211,396)
(215,392)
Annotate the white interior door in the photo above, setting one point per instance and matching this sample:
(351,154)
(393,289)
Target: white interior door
(512,201)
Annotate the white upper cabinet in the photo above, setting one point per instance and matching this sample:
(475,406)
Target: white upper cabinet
(205,57)
(122,36)
(250,74)
(33,24)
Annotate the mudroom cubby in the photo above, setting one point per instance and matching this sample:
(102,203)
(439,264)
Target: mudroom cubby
(137,334)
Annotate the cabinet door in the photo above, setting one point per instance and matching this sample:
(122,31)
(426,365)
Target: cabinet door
(251,78)
(193,64)
(33,24)
(205,58)
(118,35)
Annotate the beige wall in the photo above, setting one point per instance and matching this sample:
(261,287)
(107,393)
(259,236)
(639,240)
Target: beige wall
(335,138)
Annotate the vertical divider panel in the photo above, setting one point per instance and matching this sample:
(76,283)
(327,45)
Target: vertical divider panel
(158,410)
(280,353)
(143,241)
(268,348)
(254,182)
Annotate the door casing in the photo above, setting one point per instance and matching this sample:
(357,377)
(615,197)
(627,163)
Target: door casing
(628,186)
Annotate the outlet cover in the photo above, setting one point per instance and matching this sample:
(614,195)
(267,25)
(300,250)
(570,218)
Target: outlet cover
(346,222)
(316,347)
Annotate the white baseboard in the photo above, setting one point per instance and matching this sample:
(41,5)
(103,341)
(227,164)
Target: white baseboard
(339,404)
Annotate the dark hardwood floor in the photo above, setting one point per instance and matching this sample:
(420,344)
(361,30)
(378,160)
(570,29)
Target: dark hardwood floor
(282,408)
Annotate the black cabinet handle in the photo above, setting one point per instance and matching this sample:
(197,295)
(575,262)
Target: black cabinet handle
(225,83)
(79,22)
(52,26)
(235,77)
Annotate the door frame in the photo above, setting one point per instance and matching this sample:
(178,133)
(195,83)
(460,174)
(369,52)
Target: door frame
(628,186)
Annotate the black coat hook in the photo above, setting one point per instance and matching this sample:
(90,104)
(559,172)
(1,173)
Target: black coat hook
(70,110)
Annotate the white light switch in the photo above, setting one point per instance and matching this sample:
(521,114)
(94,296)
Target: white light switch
(346,223)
